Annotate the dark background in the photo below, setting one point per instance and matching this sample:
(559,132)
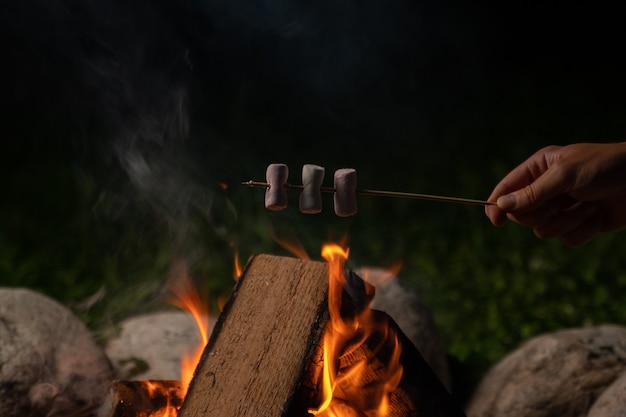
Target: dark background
(124,121)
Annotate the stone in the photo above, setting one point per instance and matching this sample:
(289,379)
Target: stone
(150,346)
(612,402)
(554,374)
(50,364)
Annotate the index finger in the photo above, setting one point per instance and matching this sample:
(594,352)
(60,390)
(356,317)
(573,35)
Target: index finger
(520,177)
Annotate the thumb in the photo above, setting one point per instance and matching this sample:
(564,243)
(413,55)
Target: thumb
(517,200)
(533,195)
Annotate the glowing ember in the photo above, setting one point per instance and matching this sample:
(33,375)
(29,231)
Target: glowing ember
(148,398)
(354,382)
(156,389)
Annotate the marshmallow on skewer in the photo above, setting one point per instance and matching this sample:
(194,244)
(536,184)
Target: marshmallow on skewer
(311,196)
(276,195)
(345,192)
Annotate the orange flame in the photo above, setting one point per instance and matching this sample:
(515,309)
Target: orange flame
(349,385)
(188,299)
(236,264)
(292,245)
(159,389)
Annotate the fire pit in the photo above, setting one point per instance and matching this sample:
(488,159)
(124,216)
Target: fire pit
(298,338)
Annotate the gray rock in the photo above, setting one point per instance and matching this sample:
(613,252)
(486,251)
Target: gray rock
(150,346)
(412,316)
(612,402)
(50,364)
(556,374)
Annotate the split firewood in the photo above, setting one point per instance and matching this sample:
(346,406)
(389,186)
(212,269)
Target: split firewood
(263,340)
(418,393)
(265,355)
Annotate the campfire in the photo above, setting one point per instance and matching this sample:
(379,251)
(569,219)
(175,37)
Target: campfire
(296,338)
(350,384)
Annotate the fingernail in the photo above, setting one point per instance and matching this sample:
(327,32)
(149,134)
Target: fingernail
(506,202)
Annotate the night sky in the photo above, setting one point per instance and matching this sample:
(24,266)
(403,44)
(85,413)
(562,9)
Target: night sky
(351,70)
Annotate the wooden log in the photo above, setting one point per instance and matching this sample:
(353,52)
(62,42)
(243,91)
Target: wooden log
(419,393)
(265,355)
(263,341)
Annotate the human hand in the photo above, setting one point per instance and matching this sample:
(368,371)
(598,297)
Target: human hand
(573,192)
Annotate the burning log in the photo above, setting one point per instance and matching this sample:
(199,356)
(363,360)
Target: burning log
(266,356)
(263,340)
(143,399)
(418,393)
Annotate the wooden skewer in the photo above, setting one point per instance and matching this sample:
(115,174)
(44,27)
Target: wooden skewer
(398,194)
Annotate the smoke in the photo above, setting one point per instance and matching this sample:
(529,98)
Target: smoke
(167,92)
(160,101)
(211,82)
